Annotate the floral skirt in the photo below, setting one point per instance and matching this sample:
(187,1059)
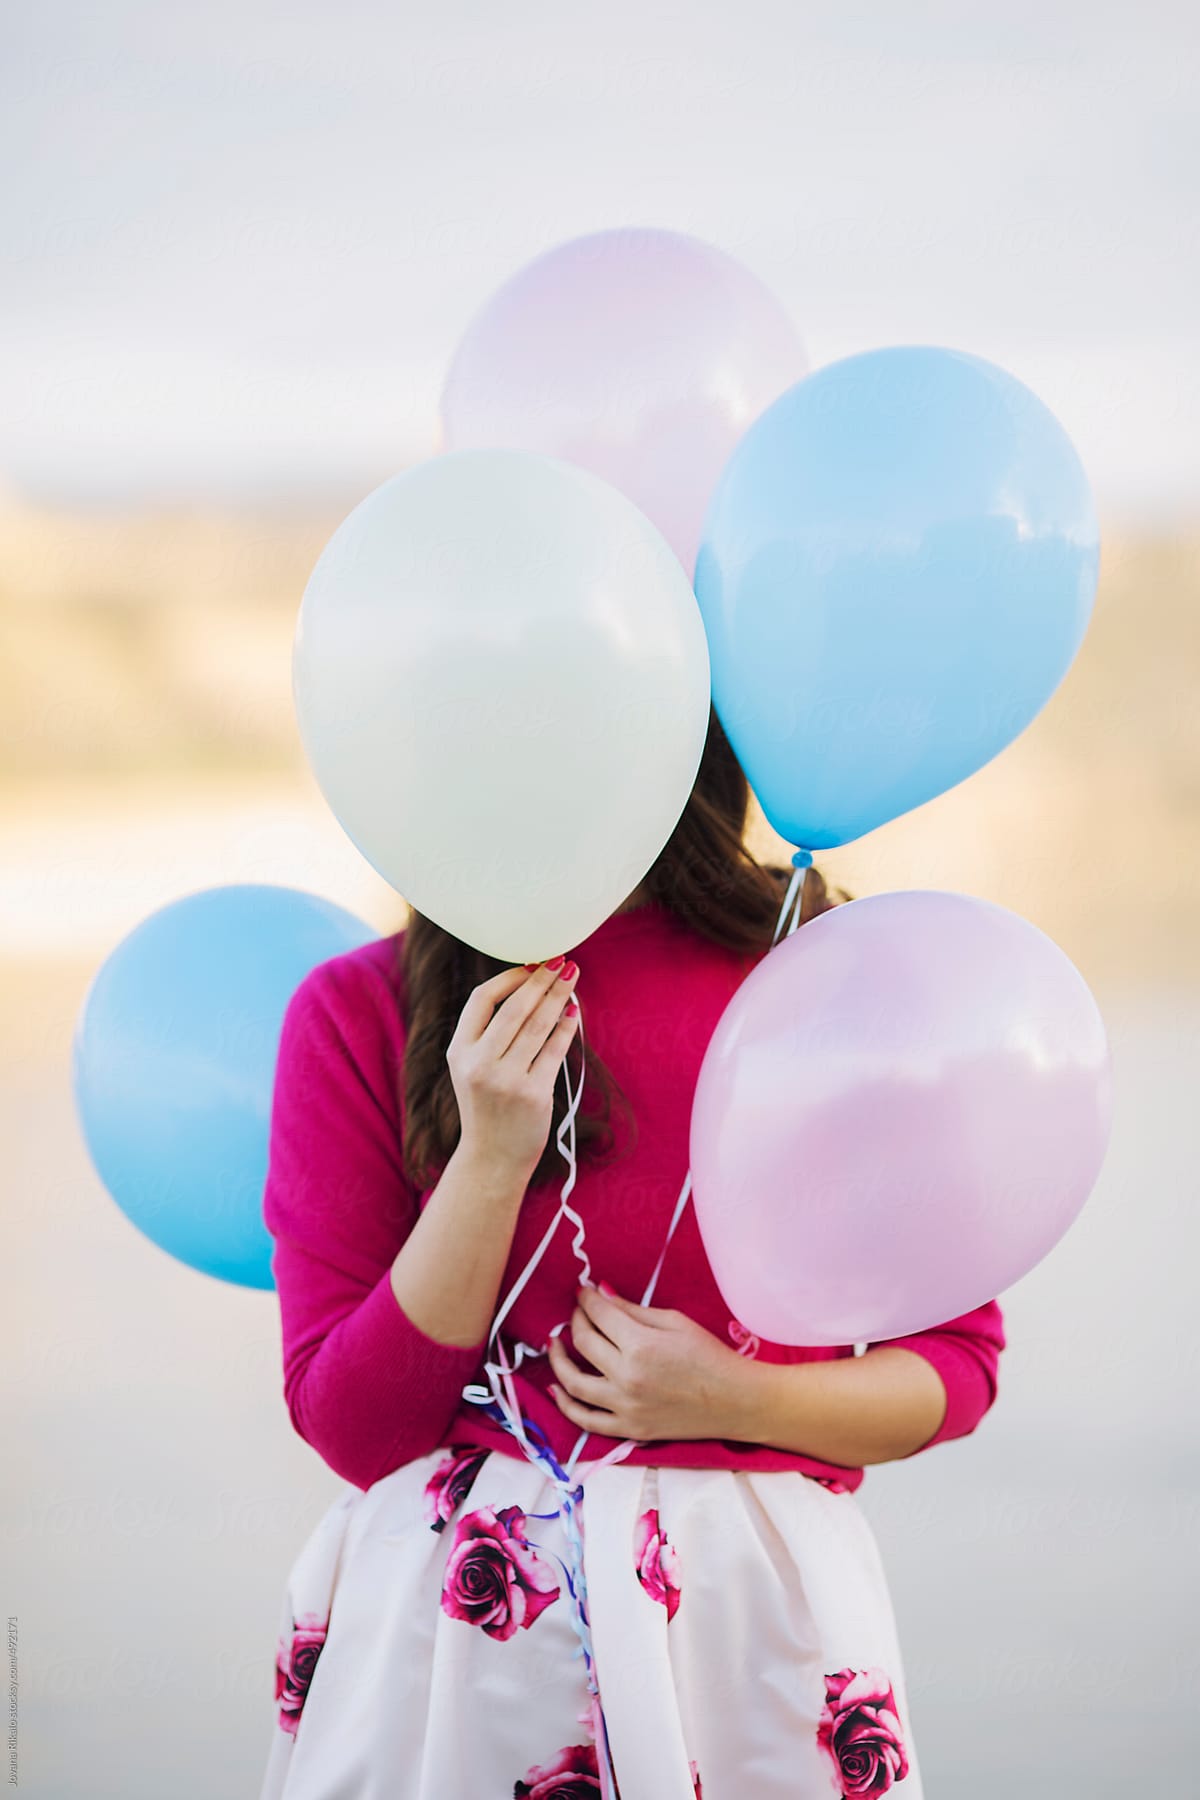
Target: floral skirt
(742,1639)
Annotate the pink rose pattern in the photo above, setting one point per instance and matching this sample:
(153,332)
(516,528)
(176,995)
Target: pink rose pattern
(859,1730)
(494,1577)
(295,1663)
(657,1562)
(451,1482)
(573,1775)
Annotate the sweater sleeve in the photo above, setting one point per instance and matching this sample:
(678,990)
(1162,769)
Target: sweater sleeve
(966,1354)
(363,1384)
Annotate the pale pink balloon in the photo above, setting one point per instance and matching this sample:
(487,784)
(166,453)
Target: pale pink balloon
(902,1109)
(642,355)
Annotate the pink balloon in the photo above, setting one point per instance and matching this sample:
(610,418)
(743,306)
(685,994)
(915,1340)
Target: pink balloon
(902,1109)
(639,354)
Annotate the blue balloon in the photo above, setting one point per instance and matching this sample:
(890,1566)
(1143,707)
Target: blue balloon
(173,1065)
(897,568)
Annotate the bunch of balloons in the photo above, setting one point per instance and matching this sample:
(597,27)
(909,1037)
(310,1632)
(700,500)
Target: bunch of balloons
(501,673)
(909,1102)
(877,573)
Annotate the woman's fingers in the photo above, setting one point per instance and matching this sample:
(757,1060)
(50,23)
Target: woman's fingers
(496,1009)
(550,1057)
(599,1350)
(591,1389)
(589,1418)
(617,1320)
(501,1030)
(543,1011)
(483,1000)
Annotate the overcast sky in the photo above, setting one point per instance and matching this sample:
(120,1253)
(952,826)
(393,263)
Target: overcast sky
(241,241)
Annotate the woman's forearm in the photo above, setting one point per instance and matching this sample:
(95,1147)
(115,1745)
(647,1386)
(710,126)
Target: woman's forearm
(447,1274)
(853,1410)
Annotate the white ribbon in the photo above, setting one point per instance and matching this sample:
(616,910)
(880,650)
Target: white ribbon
(501,1392)
(497,1367)
(499,1370)
(793,898)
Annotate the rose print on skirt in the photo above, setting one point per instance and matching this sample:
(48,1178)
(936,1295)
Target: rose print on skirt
(408,1701)
(657,1562)
(860,1732)
(295,1661)
(494,1578)
(451,1482)
(573,1775)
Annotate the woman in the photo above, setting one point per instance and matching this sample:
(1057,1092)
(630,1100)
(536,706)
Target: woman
(708,1616)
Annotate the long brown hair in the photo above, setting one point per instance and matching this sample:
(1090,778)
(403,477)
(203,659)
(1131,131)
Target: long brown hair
(704,874)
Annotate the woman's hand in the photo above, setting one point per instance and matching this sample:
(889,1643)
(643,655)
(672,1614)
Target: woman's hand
(660,1374)
(504,1058)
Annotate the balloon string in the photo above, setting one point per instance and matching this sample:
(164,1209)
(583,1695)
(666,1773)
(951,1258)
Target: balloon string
(801,864)
(498,1398)
(794,898)
(565,1139)
(569,1503)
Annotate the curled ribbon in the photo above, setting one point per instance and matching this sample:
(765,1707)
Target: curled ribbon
(498,1398)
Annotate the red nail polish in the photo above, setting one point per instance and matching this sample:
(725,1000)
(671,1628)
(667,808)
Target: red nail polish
(571,1008)
(605,1289)
(554,962)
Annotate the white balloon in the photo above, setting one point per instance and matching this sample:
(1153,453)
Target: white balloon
(502,684)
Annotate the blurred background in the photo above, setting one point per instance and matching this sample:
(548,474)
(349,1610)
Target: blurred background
(242,247)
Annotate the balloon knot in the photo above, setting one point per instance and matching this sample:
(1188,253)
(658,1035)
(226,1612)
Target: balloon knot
(802,859)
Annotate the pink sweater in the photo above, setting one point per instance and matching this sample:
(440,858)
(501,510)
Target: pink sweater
(364,1385)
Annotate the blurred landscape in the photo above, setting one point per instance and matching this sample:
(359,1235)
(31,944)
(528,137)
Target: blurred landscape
(149,749)
(145,691)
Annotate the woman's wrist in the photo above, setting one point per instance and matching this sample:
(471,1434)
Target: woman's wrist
(847,1410)
(447,1273)
(749,1405)
(485,1173)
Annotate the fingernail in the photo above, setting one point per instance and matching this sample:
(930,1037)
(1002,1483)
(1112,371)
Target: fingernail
(529,965)
(554,1387)
(571,1008)
(554,962)
(605,1289)
(568,972)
